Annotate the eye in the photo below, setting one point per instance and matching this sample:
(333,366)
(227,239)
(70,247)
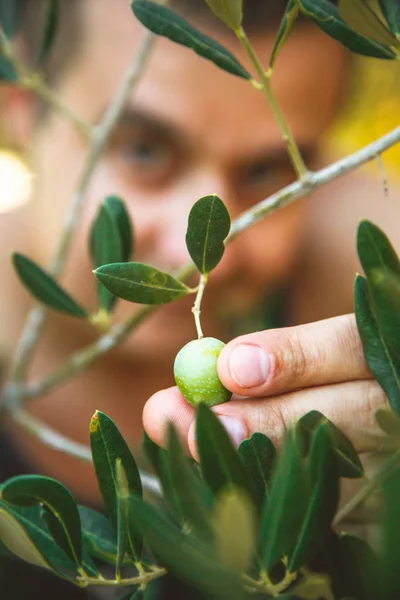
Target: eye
(143,158)
(146,153)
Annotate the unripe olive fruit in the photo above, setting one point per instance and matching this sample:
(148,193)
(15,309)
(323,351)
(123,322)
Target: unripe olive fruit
(195,372)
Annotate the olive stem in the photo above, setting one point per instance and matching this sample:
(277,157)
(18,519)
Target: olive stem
(265,85)
(197,304)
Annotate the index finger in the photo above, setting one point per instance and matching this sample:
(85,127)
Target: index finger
(282,360)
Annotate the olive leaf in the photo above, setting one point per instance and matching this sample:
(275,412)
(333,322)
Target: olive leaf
(63,518)
(288,20)
(391,11)
(389,421)
(286,503)
(140,283)
(105,248)
(234,528)
(349,464)
(44,288)
(360,16)
(51,22)
(98,535)
(221,465)
(229,12)
(185,556)
(326,15)
(122,498)
(258,454)
(108,447)
(117,208)
(163,21)
(381,360)
(208,226)
(323,472)
(375,250)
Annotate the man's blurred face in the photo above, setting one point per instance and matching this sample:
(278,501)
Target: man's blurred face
(189,129)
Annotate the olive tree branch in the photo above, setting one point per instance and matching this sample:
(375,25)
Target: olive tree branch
(34,82)
(81,359)
(63,444)
(101,133)
(143,579)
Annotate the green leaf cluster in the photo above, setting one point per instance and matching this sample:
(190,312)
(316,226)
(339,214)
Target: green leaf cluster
(241,521)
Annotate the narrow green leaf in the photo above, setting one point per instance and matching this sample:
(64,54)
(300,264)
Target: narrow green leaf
(26,533)
(193,497)
(160,461)
(391,12)
(141,283)
(286,504)
(18,541)
(326,15)
(220,463)
(121,216)
(30,522)
(52,10)
(188,558)
(288,20)
(108,446)
(11,14)
(360,16)
(258,454)
(348,460)
(389,421)
(352,567)
(105,248)
(44,288)
(381,361)
(98,535)
(384,288)
(360,566)
(229,12)
(323,473)
(390,537)
(89,566)
(375,250)
(31,490)
(163,21)
(7,71)
(122,495)
(208,226)
(234,521)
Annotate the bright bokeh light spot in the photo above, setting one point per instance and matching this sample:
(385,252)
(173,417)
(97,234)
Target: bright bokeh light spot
(15,182)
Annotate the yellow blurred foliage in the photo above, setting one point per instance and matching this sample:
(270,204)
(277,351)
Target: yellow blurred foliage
(372,108)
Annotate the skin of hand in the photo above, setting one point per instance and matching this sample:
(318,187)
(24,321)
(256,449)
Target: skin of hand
(277,376)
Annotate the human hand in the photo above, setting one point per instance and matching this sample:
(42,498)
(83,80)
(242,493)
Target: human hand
(277,376)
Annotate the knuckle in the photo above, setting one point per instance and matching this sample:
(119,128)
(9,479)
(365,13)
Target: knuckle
(292,362)
(272,421)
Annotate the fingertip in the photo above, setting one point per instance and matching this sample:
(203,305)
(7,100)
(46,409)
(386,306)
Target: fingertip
(164,407)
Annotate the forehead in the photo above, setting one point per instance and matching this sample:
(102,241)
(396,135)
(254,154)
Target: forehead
(192,94)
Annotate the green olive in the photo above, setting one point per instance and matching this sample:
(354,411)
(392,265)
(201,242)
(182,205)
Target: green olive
(195,372)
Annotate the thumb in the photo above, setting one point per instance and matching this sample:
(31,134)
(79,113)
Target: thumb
(283,360)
